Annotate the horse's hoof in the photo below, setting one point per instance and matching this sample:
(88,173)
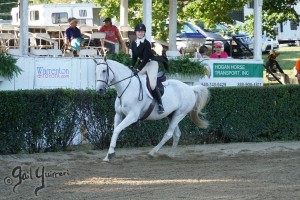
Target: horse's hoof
(105,159)
(150,156)
(111,155)
(172,155)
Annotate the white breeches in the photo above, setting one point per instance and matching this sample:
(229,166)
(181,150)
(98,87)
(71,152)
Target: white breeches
(151,70)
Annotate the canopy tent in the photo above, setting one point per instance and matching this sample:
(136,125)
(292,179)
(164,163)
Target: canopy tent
(147,20)
(192,36)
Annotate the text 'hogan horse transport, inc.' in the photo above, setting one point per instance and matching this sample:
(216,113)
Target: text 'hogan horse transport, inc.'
(235,70)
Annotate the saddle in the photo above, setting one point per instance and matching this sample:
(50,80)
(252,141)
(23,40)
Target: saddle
(161,77)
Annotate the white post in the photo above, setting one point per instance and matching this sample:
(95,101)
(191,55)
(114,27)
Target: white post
(172,25)
(258,29)
(23,27)
(147,18)
(124,13)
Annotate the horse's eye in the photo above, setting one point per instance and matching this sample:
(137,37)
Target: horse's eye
(104,70)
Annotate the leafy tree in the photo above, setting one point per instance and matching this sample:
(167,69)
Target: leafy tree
(5,8)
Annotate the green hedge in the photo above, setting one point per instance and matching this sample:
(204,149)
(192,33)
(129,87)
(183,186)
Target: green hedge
(254,113)
(48,120)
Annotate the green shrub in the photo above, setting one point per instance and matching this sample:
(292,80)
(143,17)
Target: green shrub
(8,67)
(120,57)
(183,65)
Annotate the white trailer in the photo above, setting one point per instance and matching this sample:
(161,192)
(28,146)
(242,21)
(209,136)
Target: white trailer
(58,14)
(287,32)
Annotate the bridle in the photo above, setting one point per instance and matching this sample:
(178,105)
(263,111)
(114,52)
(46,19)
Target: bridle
(107,76)
(107,85)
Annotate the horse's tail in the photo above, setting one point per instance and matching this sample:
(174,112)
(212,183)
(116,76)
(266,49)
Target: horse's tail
(202,97)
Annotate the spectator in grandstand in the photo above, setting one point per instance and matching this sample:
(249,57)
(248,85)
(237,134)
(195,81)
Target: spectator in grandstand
(203,50)
(73,38)
(112,35)
(218,51)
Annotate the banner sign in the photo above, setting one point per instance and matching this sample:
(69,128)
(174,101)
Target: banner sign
(233,74)
(52,73)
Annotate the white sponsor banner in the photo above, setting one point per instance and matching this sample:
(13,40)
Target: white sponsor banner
(53,73)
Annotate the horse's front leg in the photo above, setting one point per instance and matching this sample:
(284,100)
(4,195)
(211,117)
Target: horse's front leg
(128,120)
(118,119)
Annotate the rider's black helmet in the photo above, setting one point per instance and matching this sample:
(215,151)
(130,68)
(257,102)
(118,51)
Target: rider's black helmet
(140,27)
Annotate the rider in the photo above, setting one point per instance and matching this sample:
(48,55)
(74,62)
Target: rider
(141,48)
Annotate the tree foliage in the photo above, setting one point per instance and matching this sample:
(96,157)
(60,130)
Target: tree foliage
(5,8)
(274,12)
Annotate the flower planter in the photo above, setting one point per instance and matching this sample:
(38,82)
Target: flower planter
(186,78)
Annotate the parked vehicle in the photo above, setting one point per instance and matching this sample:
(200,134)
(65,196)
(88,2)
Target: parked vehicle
(269,44)
(236,45)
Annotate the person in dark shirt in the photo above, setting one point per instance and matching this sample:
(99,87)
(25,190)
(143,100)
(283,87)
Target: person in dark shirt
(141,49)
(275,68)
(272,63)
(73,36)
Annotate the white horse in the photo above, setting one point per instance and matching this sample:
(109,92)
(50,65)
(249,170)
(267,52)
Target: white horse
(132,101)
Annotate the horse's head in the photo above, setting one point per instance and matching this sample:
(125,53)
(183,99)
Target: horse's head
(104,75)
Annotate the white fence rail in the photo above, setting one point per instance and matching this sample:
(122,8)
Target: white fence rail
(79,73)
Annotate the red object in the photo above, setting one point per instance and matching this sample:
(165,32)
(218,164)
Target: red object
(112,32)
(222,55)
(298,65)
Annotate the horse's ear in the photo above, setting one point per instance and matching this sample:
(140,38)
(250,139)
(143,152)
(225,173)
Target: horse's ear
(105,58)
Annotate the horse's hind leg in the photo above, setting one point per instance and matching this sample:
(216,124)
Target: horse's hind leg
(176,136)
(173,125)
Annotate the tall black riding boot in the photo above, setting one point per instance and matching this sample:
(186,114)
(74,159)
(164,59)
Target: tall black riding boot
(157,96)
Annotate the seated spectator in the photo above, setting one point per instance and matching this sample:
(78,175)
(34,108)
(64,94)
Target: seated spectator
(73,36)
(112,35)
(203,50)
(218,51)
(297,67)
(273,66)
